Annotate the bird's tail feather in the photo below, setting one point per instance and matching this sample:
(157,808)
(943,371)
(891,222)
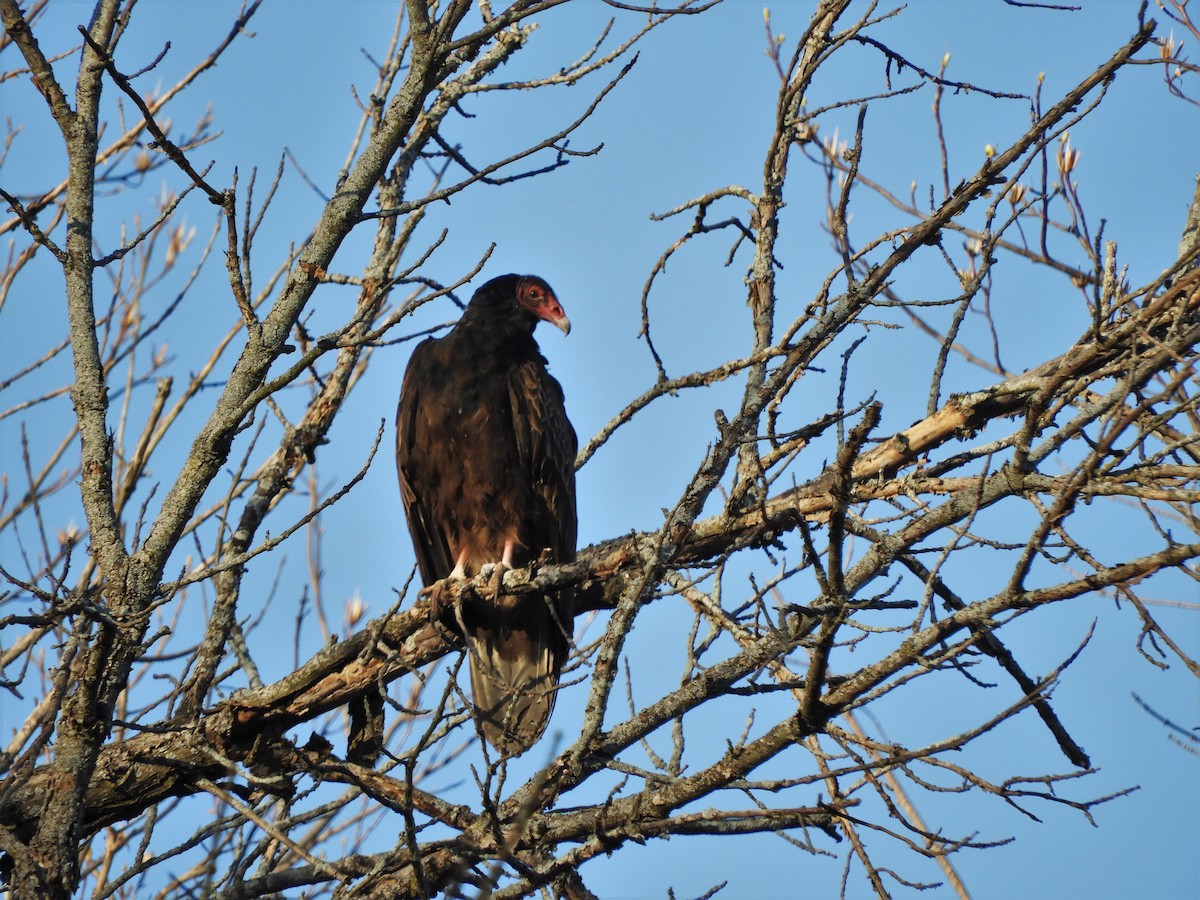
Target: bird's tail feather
(514,679)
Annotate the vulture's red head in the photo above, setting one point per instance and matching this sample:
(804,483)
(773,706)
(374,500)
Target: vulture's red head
(519,298)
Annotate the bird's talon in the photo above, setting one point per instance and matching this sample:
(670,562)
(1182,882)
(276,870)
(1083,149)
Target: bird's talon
(498,581)
(443,611)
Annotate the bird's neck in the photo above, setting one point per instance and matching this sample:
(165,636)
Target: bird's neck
(506,336)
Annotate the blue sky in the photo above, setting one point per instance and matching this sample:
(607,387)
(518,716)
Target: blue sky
(695,114)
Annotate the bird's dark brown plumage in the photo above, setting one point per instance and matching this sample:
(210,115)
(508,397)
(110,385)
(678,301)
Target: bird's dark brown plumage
(486,458)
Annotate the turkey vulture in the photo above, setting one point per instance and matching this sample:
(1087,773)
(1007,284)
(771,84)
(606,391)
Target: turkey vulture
(486,458)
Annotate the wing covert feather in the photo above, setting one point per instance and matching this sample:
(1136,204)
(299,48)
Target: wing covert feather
(414,441)
(546,449)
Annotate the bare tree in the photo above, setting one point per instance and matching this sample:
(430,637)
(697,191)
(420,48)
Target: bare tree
(817,562)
